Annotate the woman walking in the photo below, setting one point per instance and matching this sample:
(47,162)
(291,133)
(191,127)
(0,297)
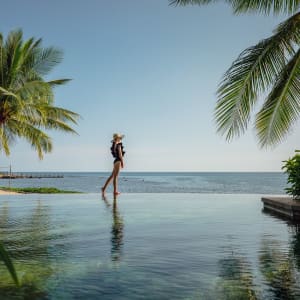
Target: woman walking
(118,153)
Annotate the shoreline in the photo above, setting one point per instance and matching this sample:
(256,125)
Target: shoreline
(2,192)
(33,190)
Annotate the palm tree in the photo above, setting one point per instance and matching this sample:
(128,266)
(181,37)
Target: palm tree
(26,98)
(270,67)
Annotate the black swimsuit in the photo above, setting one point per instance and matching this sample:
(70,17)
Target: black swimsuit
(115,151)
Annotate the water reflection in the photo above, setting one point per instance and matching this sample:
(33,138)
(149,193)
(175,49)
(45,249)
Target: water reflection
(278,269)
(25,246)
(63,252)
(29,232)
(117,230)
(29,241)
(294,229)
(4,212)
(278,275)
(295,243)
(279,264)
(235,280)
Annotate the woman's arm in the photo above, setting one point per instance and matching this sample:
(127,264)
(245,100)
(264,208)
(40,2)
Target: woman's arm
(121,156)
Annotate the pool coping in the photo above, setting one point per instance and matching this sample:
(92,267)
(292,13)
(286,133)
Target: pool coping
(283,205)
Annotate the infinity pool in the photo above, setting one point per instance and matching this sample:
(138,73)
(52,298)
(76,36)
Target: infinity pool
(148,246)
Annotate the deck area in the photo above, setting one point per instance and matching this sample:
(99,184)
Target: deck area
(284,206)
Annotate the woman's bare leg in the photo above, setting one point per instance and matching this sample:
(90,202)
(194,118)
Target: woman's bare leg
(107,183)
(116,172)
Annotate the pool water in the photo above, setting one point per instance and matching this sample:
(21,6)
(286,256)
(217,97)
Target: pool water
(148,246)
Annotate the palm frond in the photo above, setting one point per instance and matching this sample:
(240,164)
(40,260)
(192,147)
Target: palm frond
(26,99)
(11,47)
(188,2)
(37,44)
(59,125)
(14,38)
(4,256)
(16,62)
(60,113)
(56,82)
(42,112)
(45,59)
(5,92)
(5,140)
(2,60)
(243,6)
(290,29)
(35,92)
(252,74)
(27,45)
(282,106)
(266,6)
(38,139)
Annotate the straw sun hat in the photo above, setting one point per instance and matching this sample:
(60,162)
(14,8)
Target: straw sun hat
(118,136)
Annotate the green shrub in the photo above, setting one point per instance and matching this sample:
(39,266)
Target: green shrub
(292,169)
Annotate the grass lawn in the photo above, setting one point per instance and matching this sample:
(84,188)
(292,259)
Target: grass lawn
(37,190)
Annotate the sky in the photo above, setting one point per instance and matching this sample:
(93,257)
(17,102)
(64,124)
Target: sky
(148,70)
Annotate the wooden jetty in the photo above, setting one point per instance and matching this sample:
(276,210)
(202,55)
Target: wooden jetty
(28,175)
(284,206)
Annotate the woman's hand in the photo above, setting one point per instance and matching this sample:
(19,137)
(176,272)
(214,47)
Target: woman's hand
(122,164)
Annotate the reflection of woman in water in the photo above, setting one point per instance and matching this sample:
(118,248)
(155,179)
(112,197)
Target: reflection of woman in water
(116,233)
(116,230)
(118,153)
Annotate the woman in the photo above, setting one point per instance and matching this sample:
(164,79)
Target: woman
(118,153)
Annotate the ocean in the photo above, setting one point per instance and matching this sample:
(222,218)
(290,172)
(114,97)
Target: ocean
(168,236)
(163,182)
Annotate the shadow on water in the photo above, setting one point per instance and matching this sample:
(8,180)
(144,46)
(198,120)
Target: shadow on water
(117,230)
(31,250)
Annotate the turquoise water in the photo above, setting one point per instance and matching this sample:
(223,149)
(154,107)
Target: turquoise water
(166,182)
(148,246)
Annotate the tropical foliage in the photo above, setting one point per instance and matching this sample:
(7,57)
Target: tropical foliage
(37,190)
(26,98)
(271,67)
(292,169)
(4,256)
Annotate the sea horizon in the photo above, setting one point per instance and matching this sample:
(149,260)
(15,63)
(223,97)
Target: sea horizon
(153,172)
(157,182)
